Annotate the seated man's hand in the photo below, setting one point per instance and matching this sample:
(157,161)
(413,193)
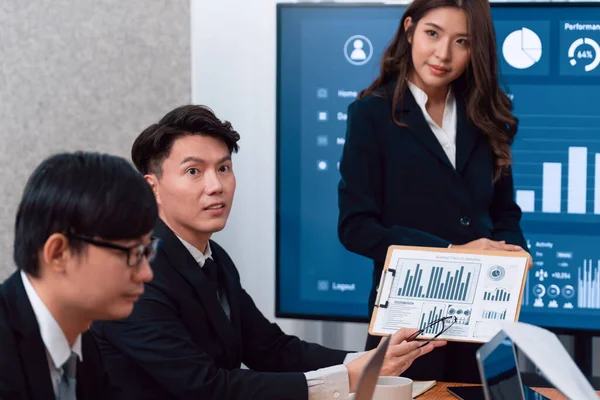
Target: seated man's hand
(399,356)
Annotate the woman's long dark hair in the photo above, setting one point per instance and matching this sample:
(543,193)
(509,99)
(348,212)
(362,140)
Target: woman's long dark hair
(487,106)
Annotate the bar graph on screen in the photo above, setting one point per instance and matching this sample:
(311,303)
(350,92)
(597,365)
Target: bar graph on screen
(575,181)
(589,285)
(556,165)
(439,280)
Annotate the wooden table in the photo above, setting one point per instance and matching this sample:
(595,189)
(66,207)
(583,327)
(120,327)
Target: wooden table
(438,392)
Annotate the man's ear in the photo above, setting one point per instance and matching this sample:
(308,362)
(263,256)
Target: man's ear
(56,252)
(153,182)
(407,24)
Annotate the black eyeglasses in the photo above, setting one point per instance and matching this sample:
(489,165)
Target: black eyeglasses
(134,253)
(436,327)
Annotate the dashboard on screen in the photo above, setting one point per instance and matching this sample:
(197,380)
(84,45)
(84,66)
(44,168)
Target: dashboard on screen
(549,58)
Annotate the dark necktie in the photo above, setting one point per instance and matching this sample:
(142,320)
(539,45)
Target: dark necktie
(211,270)
(66,385)
(215,275)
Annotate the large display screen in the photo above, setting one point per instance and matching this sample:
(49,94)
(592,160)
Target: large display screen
(550,63)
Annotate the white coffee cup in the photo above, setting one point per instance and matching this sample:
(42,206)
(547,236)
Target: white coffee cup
(392,388)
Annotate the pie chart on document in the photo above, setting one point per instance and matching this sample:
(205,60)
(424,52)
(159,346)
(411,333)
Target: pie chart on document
(522,48)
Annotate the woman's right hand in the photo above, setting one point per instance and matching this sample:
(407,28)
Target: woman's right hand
(487,244)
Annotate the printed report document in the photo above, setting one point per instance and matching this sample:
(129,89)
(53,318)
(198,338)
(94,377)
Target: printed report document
(469,292)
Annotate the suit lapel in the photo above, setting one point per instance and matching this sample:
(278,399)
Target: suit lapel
(84,380)
(413,117)
(184,263)
(32,352)
(90,371)
(466,135)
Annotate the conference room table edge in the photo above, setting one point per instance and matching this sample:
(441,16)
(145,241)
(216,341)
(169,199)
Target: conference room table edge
(439,392)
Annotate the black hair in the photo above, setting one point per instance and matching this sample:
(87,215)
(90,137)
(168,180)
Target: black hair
(154,144)
(87,194)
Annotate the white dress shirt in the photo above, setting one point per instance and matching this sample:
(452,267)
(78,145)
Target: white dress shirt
(446,134)
(57,346)
(331,382)
(323,384)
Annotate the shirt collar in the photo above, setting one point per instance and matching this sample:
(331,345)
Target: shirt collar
(197,254)
(52,335)
(421,97)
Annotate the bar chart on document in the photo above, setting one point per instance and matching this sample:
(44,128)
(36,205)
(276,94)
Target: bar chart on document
(462,294)
(492,314)
(430,314)
(500,295)
(436,280)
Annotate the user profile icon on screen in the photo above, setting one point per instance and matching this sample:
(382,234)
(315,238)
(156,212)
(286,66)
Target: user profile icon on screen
(358,50)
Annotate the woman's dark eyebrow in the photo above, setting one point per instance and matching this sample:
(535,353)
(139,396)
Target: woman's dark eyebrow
(439,28)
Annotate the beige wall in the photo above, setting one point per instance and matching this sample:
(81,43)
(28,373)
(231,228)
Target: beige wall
(82,75)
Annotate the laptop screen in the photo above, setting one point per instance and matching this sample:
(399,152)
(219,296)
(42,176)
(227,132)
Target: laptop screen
(501,373)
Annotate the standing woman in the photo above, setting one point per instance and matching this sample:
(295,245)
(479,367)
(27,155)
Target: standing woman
(427,155)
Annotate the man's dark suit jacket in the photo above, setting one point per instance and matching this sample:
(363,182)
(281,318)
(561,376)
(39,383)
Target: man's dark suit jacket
(398,187)
(179,344)
(24,371)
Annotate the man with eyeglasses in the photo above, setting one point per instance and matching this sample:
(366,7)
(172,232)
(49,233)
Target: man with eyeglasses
(82,248)
(196,325)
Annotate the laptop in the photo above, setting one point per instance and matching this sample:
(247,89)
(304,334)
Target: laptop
(499,372)
(370,375)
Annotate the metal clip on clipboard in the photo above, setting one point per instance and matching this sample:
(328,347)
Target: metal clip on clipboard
(385,287)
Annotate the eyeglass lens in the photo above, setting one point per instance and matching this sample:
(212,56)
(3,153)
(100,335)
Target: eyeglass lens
(137,253)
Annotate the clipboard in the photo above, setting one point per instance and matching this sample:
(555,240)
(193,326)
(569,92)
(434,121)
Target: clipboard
(477,288)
